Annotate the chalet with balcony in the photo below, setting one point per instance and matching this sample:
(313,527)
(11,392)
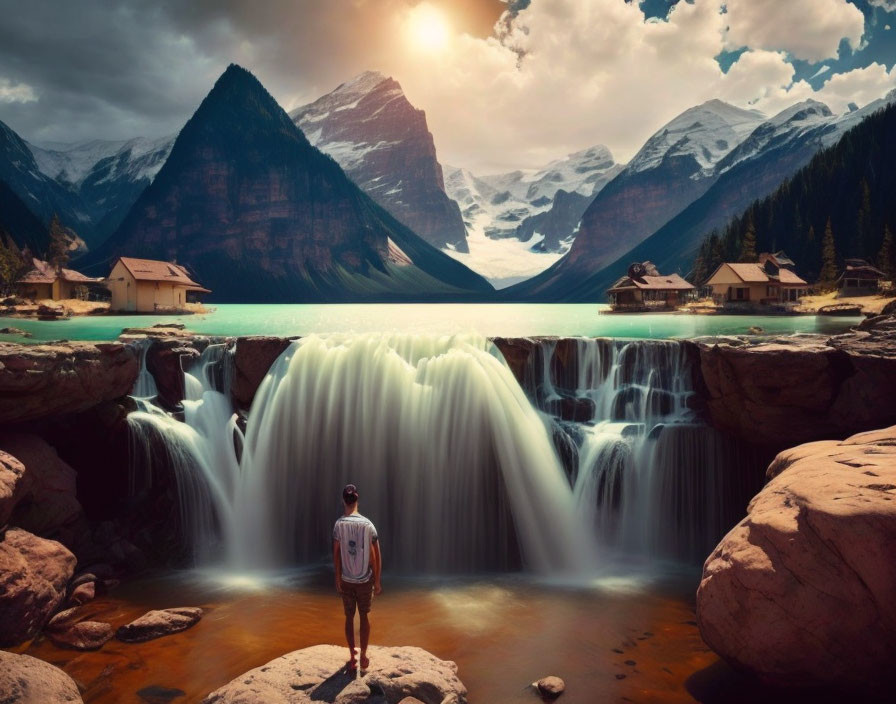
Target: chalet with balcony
(643,288)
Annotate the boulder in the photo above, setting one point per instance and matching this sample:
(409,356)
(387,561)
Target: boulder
(800,388)
(27,680)
(801,591)
(85,635)
(40,381)
(50,506)
(550,687)
(82,594)
(162,622)
(34,573)
(318,674)
(13,485)
(252,361)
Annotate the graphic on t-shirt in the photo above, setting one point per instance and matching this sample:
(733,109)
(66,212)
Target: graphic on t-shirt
(355,535)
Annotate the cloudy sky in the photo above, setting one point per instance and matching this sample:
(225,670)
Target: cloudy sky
(504,84)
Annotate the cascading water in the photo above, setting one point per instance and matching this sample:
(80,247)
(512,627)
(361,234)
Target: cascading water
(648,475)
(454,464)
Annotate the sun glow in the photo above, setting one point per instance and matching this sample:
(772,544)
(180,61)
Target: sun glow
(428,28)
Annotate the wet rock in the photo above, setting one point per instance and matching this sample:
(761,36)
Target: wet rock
(550,687)
(82,594)
(165,360)
(15,331)
(800,592)
(40,381)
(84,635)
(155,694)
(27,680)
(252,361)
(13,485)
(34,573)
(317,673)
(64,619)
(82,578)
(155,624)
(522,356)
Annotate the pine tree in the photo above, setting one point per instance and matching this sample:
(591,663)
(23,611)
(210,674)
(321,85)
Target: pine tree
(57,251)
(886,261)
(748,244)
(828,277)
(12,263)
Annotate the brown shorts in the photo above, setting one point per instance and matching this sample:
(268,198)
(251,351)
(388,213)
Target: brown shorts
(359,595)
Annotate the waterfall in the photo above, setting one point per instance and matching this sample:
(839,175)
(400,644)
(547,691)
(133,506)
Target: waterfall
(453,463)
(145,386)
(648,476)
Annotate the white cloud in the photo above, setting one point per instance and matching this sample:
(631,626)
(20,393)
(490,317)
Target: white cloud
(16,92)
(567,74)
(888,5)
(820,71)
(808,29)
(859,86)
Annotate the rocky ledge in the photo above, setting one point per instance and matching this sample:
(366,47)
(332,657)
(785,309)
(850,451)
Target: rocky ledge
(786,390)
(801,591)
(27,680)
(318,674)
(37,381)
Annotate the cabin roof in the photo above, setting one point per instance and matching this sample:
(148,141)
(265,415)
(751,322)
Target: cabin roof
(45,273)
(860,269)
(751,273)
(671,282)
(154,270)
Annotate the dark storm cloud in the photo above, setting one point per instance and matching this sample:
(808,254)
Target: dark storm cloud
(104,69)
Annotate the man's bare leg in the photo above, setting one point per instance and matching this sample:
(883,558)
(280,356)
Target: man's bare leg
(365,638)
(350,637)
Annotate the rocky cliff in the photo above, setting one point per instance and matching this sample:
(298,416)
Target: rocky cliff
(800,592)
(384,145)
(258,214)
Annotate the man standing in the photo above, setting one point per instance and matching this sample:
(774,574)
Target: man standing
(357,561)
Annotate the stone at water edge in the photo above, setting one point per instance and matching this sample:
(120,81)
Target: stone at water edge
(84,635)
(550,687)
(307,675)
(82,594)
(158,623)
(800,592)
(34,573)
(27,680)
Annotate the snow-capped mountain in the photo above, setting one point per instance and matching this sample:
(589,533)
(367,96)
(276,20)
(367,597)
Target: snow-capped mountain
(705,133)
(383,143)
(107,176)
(90,185)
(504,202)
(773,151)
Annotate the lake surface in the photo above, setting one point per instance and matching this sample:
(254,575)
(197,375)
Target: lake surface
(492,320)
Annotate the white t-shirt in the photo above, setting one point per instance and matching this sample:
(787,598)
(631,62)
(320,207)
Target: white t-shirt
(355,535)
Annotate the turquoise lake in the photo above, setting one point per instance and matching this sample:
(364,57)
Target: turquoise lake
(510,320)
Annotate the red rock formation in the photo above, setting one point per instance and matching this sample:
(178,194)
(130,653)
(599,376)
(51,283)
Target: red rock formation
(800,389)
(39,381)
(155,624)
(27,680)
(33,576)
(800,592)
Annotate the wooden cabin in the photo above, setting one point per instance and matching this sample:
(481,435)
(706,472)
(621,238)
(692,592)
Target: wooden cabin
(859,278)
(771,281)
(643,288)
(44,281)
(150,286)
